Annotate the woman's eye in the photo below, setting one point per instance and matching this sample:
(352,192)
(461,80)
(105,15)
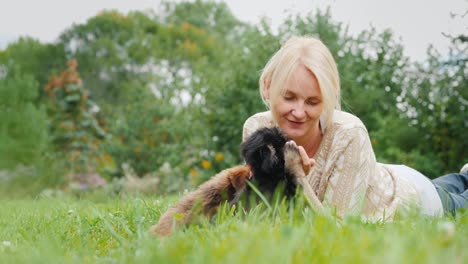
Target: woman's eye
(312,102)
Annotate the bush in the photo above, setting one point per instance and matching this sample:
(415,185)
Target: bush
(23,126)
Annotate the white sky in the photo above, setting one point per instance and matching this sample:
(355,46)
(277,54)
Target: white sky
(417,22)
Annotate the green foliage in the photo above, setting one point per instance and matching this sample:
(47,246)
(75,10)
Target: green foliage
(29,181)
(214,18)
(232,95)
(209,163)
(23,124)
(35,59)
(144,132)
(107,47)
(434,98)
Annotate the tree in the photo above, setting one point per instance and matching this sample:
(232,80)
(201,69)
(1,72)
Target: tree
(104,46)
(75,131)
(149,134)
(215,18)
(434,98)
(34,59)
(232,93)
(23,125)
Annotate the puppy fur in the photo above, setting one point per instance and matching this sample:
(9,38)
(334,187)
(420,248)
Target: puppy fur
(264,152)
(225,186)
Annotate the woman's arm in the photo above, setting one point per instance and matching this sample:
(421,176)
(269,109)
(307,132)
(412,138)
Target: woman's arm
(353,168)
(300,166)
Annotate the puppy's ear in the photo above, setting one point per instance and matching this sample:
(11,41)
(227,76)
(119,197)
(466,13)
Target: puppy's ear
(254,149)
(250,147)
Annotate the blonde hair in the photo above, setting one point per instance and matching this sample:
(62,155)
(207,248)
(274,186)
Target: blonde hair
(316,57)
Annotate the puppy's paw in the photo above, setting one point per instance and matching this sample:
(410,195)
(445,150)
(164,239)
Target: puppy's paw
(293,160)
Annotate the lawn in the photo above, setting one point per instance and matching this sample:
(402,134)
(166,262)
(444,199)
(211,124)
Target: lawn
(115,230)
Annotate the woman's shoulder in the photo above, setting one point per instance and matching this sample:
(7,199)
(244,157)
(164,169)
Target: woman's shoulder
(261,119)
(256,121)
(344,121)
(345,127)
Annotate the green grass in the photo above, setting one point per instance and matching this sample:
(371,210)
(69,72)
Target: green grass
(115,230)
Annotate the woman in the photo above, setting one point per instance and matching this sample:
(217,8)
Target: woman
(300,85)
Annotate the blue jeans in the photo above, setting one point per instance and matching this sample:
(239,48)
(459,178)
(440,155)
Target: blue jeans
(453,191)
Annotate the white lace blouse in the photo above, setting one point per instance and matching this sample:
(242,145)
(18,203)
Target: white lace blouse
(346,176)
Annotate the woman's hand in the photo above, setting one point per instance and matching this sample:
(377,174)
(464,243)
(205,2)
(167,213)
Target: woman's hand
(307,163)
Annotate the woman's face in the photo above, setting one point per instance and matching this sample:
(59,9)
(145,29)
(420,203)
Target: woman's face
(298,110)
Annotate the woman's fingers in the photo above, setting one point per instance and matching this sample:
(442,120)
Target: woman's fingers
(307,162)
(312,162)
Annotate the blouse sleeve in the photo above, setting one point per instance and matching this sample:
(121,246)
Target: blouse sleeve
(354,166)
(248,128)
(252,124)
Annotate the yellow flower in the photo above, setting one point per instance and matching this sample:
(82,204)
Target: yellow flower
(219,157)
(194,174)
(106,158)
(206,164)
(185,26)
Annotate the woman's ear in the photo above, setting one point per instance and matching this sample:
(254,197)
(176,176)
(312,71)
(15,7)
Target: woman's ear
(266,90)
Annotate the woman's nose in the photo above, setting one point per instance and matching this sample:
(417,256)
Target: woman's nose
(298,110)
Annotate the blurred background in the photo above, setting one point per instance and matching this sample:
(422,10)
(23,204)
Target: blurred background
(151,96)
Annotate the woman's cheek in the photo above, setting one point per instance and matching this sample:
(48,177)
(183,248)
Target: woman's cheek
(285,107)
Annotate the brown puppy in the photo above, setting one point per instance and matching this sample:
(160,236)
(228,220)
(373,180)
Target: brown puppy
(225,186)
(274,163)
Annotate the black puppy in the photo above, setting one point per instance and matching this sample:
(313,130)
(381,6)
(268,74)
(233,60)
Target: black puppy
(264,151)
(273,162)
